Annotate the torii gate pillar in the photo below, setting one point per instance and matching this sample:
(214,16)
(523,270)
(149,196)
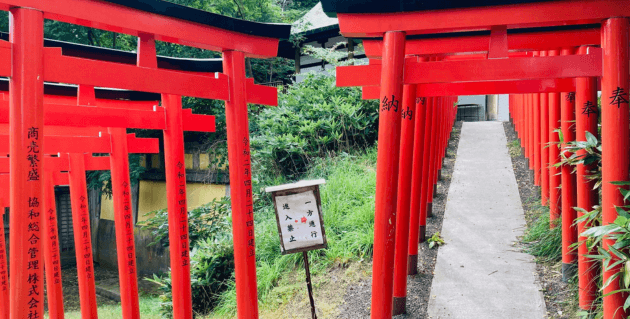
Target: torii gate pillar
(387,173)
(26,138)
(615,141)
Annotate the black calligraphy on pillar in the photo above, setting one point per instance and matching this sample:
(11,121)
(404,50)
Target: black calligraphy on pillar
(4,284)
(85,238)
(130,255)
(589,108)
(389,104)
(249,202)
(51,217)
(421,100)
(32,151)
(407,114)
(570,97)
(183,214)
(32,252)
(619,96)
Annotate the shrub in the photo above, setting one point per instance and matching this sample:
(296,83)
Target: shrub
(315,118)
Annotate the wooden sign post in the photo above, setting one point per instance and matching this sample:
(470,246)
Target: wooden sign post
(300,223)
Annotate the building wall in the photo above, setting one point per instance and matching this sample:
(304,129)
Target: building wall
(475,99)
(504,107)
(152,197)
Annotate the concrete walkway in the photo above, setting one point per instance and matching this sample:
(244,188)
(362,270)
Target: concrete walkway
(479,273)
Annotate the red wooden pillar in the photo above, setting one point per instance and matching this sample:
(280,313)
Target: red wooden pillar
(241,188)
(407,142)
(537,130)
(26,98)
(526,127)
(123,218)
(521,114)
(416,230)
(569,200)
(432,155)
(586,115)
(54,289)
(425,204)
(175,191)
(448,105)
(387,173)
(531,138)
(177,207)
(615,142)
(544,144)
(4,270)
(555,195)
(82,235)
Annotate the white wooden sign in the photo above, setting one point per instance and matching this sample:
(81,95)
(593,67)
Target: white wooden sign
(299,218)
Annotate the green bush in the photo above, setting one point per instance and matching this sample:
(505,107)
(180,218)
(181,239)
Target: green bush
(211,256)
(315,118)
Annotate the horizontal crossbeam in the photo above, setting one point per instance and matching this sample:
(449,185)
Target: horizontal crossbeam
(120,19)
(87,116)
(543,40)
(533,68)
(64,69)
(83,144)
(483,88)
(62,163)
(59,179)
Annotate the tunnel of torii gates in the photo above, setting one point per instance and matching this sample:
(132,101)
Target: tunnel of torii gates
(52,139)
(551,57)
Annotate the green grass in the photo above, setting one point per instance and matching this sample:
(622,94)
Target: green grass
(149,309)
(348,212)
(542,242)
(514,148)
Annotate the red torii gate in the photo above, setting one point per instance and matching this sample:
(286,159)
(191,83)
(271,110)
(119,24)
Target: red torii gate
(150,20)
(82,140)
(374,19)
(498,87)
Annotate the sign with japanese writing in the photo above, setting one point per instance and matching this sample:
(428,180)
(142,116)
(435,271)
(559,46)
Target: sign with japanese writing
(299,216)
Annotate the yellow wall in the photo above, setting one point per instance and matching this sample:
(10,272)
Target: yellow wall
(153,197)
(188,161)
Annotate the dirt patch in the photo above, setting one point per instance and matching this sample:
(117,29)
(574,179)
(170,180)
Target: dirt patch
(559,296)
(70,284)
(358,295)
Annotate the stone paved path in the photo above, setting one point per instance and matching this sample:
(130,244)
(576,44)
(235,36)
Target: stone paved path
(479,273)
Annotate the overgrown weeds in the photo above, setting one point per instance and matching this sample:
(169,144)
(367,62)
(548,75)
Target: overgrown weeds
(541,241)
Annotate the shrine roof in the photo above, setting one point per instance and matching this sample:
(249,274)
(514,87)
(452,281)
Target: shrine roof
(267,30)
(332,7)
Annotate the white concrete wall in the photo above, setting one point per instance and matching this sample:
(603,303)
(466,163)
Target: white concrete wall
(504,107)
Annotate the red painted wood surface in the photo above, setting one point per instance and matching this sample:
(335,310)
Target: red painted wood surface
(403,210)
(542,40)
(536,14)
(569,200)
(82,237)
(387,174)
(615,142)
(586,114)
(26,140)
